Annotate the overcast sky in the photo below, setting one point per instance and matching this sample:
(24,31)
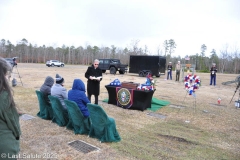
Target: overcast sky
(190,23)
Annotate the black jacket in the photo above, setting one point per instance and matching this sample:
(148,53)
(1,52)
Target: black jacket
(213,71)
(93,86)
(169,67)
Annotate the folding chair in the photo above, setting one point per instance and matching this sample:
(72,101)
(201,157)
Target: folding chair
(77,122)
(60,114)
(102,127)
(46,111)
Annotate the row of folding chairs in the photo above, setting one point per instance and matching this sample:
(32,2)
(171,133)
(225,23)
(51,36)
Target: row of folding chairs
(97,125)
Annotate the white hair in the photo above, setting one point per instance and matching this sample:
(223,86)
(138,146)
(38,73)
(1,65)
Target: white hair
(96,60)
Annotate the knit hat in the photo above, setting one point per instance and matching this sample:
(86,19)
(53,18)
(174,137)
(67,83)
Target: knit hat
(59,79)
(49,81)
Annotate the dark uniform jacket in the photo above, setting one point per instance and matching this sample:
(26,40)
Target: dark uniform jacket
(93,86)
(169,67)
(213,71)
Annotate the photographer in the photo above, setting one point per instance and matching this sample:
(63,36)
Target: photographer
(14,62)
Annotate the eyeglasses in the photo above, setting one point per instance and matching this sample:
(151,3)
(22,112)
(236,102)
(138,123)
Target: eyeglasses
(96,64)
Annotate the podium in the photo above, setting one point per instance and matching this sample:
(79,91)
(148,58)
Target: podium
(141,99)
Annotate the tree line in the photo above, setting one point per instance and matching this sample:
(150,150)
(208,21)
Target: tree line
(227,59)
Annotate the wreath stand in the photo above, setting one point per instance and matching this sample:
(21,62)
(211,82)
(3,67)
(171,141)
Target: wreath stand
(194,106)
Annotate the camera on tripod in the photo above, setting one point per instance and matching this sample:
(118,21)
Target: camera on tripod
(237,103)
(14,65)
(14,61)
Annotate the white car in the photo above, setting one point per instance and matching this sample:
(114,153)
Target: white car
(52,63)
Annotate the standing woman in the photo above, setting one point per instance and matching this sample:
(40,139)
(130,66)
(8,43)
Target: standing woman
(9,118)
(169,71)
(94,76)
(213,72)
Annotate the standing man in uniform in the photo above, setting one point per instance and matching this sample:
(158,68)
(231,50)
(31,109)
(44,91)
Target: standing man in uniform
(178,68)
(94,76)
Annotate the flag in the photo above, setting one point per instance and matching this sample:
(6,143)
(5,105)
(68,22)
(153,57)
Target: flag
(187,58)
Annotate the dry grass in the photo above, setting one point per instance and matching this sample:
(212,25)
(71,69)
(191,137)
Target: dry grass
(212,133)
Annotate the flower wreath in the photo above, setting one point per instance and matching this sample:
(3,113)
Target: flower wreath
(191,83)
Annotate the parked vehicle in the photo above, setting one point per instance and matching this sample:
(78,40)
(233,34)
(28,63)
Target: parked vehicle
(144,65)
(113,65)
(52,63)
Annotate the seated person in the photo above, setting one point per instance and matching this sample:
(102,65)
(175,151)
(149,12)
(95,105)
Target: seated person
(59,91)
(77,94)
(46,87)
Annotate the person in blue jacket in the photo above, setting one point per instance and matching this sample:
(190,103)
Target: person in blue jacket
(77,94)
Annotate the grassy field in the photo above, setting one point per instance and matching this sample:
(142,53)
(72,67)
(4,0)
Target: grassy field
(202,131)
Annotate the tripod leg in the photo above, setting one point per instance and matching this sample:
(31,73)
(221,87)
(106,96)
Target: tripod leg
(235,91)
(19,76)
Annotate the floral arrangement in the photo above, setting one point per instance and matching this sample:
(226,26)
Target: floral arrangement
(192,83)
(149,84)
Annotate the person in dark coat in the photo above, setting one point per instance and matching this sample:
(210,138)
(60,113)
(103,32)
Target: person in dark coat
(9,117)
(94,76)
(213,72)
(77,94)
(46,87)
